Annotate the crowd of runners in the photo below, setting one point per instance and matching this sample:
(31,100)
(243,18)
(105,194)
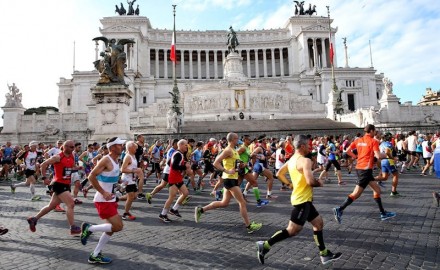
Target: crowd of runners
(239,167)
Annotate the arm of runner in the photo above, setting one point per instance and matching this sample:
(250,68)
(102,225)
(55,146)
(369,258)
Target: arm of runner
(305,165)
(218,161)
(99,168)
(281,175)
(48,162)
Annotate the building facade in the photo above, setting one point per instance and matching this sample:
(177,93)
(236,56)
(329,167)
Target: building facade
(285,74)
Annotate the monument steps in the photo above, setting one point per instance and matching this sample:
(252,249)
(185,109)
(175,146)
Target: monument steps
(264,125)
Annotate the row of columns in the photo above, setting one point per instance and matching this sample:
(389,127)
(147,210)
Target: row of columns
(319,60)
(273,63)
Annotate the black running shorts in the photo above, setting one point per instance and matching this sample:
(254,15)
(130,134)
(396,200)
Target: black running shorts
(303,212)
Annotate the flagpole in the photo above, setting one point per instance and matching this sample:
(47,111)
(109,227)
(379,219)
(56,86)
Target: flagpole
(175,94)
(371,55)
(335,87)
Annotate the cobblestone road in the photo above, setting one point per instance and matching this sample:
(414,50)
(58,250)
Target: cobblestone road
(220,241)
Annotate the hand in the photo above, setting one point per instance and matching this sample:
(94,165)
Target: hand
(232,171)
(107,196)
(320,183)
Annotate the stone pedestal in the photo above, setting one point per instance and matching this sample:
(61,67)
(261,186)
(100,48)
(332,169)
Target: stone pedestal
(12,119)
(233,68)
(389,104)
(112,112)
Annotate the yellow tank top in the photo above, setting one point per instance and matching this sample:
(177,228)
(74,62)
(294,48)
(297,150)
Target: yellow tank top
(229,164)
(302,192)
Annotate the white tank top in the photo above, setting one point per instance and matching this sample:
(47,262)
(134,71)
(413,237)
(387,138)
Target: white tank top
(129,177)
(30,160)
(107,181)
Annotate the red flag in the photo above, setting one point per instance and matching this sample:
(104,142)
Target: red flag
(332,53)
(173,50)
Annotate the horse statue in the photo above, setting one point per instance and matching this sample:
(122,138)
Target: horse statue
(232,40)
(130,7)
(311,10)
(300,7)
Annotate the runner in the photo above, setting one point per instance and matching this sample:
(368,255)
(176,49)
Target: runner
(30,163)
(228,158)
(388,165)
(178,167)
(367,148)
(300,171)
(130,171)
(103,178)
(64,165)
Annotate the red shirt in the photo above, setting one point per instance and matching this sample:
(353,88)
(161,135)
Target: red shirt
(365,146)
(177,168)
(63,169)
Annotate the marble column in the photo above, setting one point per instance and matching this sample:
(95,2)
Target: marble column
(264,63)
(182,64)
(257,69)
(272,55)
(199,65)
(215,65)
(315,54)
(191,64)
(157,64)
(165,64)
(281,63)
(248,57)
(207,64)
(324,54)
(223,62)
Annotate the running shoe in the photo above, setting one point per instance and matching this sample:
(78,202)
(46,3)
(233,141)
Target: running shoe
(85,233)
(284,188)
(338,214)
(3,230)
(395,194)
(423,174)
(58,208)
(128,216)
(436,197)
(99,259)
(271,197)
(197,213)
(387,215)
(148,197)
(76,201)
(35,198)
(261,251)
(32,224)
(164,218)
(330,257)
(186,200)
(75,230)
(253,227)
(141,196)
(342,183)
(175,212)
(381,184)
(12,189)
(262,203)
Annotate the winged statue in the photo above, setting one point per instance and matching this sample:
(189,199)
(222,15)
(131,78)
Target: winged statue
(112,63)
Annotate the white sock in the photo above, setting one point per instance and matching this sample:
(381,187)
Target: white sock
(102,241)
(32,189)
(20,184)
(245,192)
(269,192)
(164,212)
(176,206)
(106,227)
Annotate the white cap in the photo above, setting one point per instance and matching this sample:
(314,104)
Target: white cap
(115,140)
(32,143)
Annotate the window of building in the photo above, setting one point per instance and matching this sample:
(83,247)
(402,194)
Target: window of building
(144,100)
(68,102)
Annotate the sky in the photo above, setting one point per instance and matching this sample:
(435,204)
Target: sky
(38,37)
